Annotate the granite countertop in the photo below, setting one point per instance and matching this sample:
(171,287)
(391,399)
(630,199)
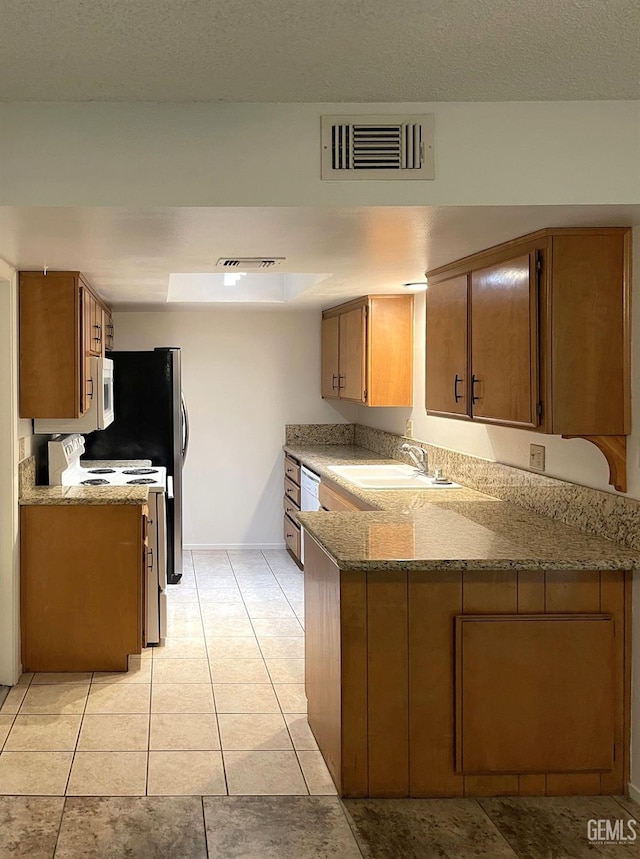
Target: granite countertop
(31,494)
(52,495)
(445,529)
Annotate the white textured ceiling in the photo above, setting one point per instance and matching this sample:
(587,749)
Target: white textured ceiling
(319,50)
(128,254)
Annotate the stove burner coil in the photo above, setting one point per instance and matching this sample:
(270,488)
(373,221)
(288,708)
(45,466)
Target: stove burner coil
(102,471)
(142,480)
(96,481)
(140,471)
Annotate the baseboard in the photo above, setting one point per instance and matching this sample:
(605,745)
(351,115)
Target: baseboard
(634,792)
(255,547)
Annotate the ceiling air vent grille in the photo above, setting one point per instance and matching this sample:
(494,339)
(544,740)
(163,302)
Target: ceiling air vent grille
(377,147)
(249,263)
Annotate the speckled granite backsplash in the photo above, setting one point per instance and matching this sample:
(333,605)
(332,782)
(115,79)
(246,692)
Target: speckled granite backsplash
(319,433)
(592,511)
(26,475)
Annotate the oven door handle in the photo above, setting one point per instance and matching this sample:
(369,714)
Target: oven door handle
(169,487)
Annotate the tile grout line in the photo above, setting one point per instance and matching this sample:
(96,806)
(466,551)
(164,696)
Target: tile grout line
(213,696)
(496,826)
(64,808)
(290,735)
(295,751)
(75,748)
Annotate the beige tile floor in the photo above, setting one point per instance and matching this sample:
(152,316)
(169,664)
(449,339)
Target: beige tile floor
(220,709)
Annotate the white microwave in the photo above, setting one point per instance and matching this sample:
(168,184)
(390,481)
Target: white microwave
(101,410)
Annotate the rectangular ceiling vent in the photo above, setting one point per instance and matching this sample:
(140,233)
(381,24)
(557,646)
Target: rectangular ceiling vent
(249,263)
(377,147)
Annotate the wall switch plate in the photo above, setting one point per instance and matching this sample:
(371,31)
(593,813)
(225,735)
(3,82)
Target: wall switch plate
(536,457)
(409,429)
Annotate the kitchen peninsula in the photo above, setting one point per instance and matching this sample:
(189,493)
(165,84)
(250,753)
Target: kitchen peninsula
(460,645)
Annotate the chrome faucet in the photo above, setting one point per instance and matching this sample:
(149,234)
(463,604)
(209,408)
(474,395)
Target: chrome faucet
(418,455)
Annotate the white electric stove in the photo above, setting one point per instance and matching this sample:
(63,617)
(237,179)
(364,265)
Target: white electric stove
(65,469)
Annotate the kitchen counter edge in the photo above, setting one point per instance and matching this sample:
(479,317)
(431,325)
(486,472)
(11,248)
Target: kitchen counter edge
(331,530)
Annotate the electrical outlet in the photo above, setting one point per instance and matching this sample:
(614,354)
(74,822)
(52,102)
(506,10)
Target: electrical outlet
(536,457)
(409,429)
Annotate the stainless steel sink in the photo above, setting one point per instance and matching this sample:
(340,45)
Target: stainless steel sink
(389,476)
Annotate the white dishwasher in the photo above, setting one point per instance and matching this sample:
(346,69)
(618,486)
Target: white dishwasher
(309,485)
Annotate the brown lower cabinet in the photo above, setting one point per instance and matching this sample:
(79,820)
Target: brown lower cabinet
(82,598)
(436,684)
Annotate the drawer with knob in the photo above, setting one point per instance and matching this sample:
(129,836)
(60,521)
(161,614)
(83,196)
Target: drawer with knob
(292,536)
(292,469)
(292,491)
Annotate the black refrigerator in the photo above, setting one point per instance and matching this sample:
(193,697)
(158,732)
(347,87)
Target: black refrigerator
(151,422)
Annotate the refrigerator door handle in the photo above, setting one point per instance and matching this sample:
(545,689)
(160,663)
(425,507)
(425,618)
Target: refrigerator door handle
(185,429)
(169,486)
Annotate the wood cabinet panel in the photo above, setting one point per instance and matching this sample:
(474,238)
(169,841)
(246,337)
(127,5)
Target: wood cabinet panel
(390,364)
(81,596)
(523,696)
(590,370)
(292,491)
(323,648)
(292,536)
(334,500)
(433,606)
(50,356)
(109,330)
(388,682)
(330,378)
(60,329)
(292,469)
(447,380)
(354,683)
(504,342)
(352,355)
(549,708)
(367,351)
(576,379)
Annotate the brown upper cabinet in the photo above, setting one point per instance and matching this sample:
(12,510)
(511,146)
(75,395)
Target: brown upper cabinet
(367,351)
(62,325)
(535,333)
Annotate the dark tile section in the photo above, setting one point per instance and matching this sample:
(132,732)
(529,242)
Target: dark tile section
(277,827)
(141,827)
(425,829)
(558,827)
(29,826)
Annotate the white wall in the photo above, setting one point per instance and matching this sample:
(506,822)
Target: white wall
(569,459)
(246,373)
(269,155)
(9,558)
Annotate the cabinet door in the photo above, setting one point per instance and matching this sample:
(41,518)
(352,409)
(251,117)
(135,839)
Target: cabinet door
(97,330)
(330,366)
(108,330)
(504,342)
(447,378)
(352,355)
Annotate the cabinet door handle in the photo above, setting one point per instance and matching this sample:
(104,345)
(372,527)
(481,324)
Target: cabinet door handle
(98,337)
(340,378)
(150,559)
(90,394)
(474,399)
(333,382)
(457,397)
